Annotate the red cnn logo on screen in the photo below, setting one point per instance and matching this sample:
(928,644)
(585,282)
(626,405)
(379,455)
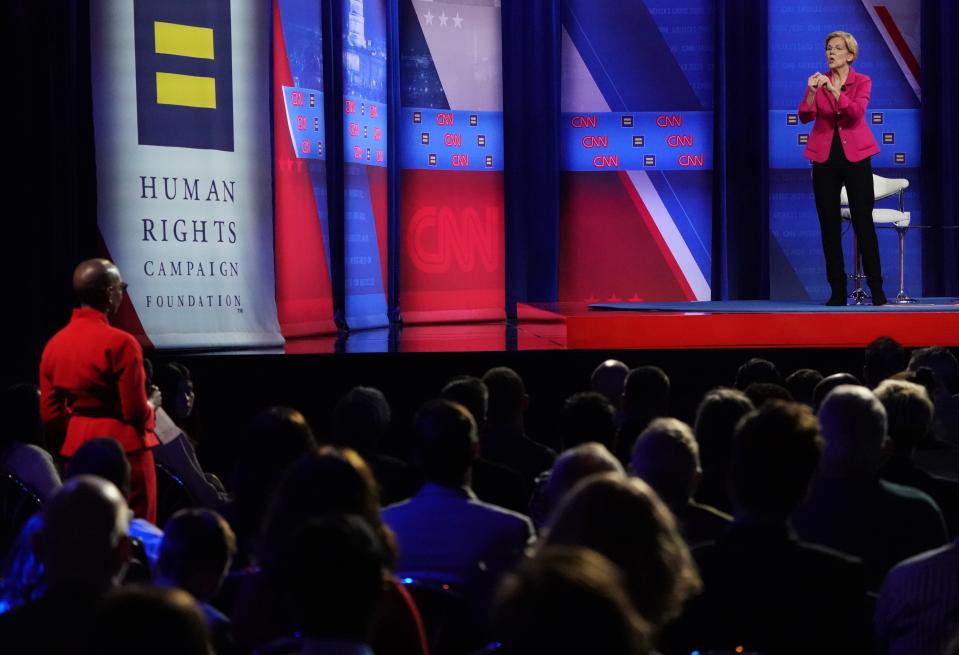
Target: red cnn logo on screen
(440,237)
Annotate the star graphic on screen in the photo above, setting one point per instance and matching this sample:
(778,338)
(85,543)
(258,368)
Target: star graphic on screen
(457,20)
(429,17)
(443,19)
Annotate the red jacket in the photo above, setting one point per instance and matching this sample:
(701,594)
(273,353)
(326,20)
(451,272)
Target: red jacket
(849,112)
(92,384)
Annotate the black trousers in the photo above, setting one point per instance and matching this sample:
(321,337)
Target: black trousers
(827,180)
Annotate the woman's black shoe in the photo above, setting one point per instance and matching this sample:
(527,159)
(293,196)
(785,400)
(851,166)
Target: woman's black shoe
(879,297)
(836,300)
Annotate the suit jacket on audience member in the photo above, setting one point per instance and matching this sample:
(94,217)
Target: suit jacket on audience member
(768,592)
(446,534)
(880,522)
(901,469)
(918,608)
(510,447)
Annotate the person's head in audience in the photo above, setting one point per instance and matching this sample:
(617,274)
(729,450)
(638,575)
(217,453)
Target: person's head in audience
(943,363)
(854,427)
(176,385)
(587,416)
(195,554)
(623,519)
(801,384)
(716,417)
(755,370)
(322,483)
(573,465)
(103,458)
(761,392)
(332,573)
(923,376)
(909,412)
(508,400)
(830,382)
(148,621)
(471,393)
(95,283)
(361,419)
(775,454)
(884,357)
(666,457)
(608,379)
(84,539)
(20,412)
(646,392)
(445,443)
(568,601)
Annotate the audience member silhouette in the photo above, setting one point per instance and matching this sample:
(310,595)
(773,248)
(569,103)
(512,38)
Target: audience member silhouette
(760,392)
(763,590)
(909,415)
(570,468)
(755,370)
(148,621)
(946,368)
(587,417)
(493,483)
(716,417)
(849,508)
(179,455)
(933,454)
(609,379)
(105,459)
(801,384)
(444,532)
(884,358)
(623,519)
(21,578)
(504,438)
(22,450)
(918,604)
(568,601)
(645,397)
(275,439)
(195,555)
(829,383)
(84,546)
(666,457)
(361,421)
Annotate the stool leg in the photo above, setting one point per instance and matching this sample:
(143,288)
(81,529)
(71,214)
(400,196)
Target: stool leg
(901,297)
(858,295)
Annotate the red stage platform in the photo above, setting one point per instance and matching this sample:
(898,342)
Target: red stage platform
(574,326)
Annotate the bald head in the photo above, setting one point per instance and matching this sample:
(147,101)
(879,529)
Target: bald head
(95,282)
(85,532)
(608,379)
(854,427)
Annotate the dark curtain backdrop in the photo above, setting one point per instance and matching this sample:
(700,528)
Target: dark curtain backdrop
(940,147)
(49,186)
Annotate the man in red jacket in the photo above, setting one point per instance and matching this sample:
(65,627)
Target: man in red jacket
(92,382)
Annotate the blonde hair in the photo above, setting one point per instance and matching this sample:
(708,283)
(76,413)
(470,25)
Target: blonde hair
(851,44)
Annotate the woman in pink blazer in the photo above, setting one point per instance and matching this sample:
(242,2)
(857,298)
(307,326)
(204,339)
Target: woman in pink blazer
(840,146)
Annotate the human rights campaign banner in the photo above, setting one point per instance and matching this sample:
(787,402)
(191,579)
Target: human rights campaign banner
(182,131)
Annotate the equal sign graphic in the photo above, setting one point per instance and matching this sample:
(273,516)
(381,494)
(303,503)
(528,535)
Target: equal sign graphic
(184,41)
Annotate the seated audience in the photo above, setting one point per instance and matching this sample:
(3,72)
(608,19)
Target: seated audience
(623,519)
(22,450)
(179,455)
(361,420)
(105,458)
(504,438)
(147,621)
(645,397)
(84,546)
(609,379)
(801,384)
(759,392)
(919,604)
(444,532)
(946,399)
(716,418)
(587,417)
(568,601)
(666,457)
(195,555)
(933,454)
(849,508)
(763,590)
(571,466)
(829,383)
(755,370)
(884,358)
(909,414)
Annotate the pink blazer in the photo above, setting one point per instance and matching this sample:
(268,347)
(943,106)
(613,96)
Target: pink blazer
(849,112)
